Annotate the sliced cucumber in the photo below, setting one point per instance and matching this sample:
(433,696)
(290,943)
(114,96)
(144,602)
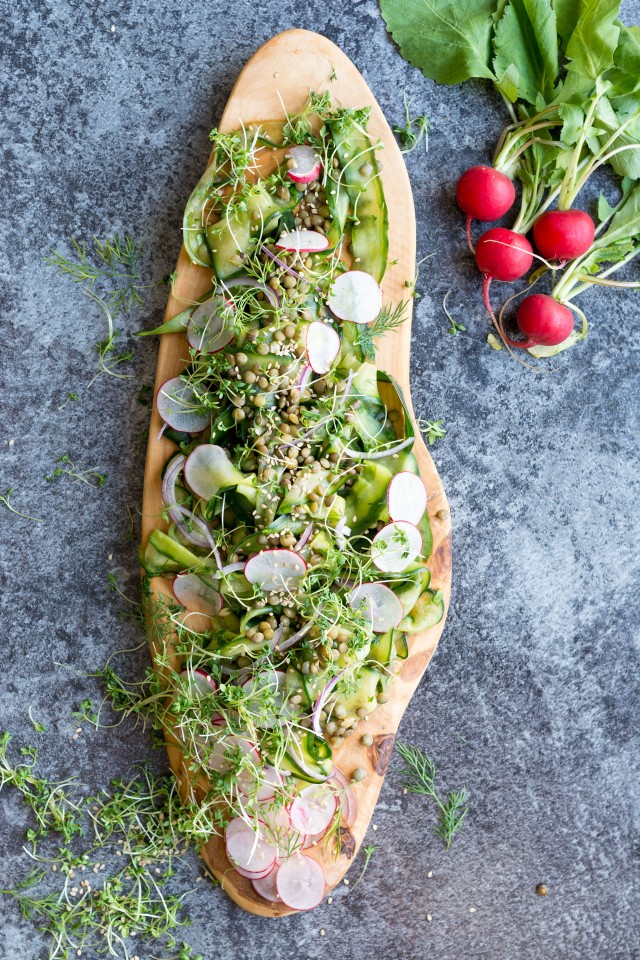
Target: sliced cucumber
(368,497)
(363,697)
(427,612)
(162,555)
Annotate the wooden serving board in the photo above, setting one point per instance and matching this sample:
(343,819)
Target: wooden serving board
(285,70)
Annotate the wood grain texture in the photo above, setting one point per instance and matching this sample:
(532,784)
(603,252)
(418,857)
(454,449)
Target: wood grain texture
(285,70)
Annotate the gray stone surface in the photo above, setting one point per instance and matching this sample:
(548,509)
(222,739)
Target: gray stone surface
(531,698)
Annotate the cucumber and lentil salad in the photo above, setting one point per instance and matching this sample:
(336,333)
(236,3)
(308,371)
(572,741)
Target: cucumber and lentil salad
(299,537)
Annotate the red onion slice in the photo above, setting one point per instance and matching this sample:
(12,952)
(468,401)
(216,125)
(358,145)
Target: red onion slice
(320,702)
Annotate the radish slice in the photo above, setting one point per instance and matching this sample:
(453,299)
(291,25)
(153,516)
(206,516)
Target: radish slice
(314,809)
(274,570)
(199,683)
(323,346)
(267,886)
(306,164)
(196,596)
(269,781)
(396,546)
(300,882)
(178,406)
(346,797)
(206,469)
(210,328)
(252,875)
(248,851)
(303,241)
(218,760)
(407,497)
(378,604)
(279,830)
(355,296)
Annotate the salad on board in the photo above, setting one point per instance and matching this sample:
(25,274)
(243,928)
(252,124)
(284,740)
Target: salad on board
(295,535)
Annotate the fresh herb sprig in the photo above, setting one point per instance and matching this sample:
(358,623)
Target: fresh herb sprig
(67,468)
(415,130)
(454,326)
(369,851)
(114,262)
(432,430)
(418,776)
(389,319)
(5,500)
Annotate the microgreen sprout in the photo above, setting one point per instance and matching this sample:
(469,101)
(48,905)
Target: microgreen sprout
(91,476)
(432,430)
(414,131)
(369,851)
(5,501)
(454,326)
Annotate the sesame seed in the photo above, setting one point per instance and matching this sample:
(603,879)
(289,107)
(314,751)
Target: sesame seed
(429,917)
(430,874)
(322,933)
(472,909)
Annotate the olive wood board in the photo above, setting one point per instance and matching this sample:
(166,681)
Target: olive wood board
(283,72)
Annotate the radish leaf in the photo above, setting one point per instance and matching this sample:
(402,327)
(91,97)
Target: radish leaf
(526,36)
(449,40)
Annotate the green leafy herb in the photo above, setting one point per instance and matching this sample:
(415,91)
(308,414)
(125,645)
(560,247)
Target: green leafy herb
(67,468)
(432,430)
(37,726)
(369,851)
(389,318)
(115,262)
(454,326)
(5,501)
(414,130)
(418,776)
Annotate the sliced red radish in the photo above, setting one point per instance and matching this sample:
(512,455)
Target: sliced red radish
(210,326)
(346,797)
(252,875)
(279,830)
(407,497)
(274,570)
(199,682)
(396,546)
(355,296)
(179,407)
(207,469)
(379,605)
(302,241)
(267,887)
(314,809)
(300,882)
(196,595)
(268,781)
(323,346)
(306,164)
(249,852)
(218,759)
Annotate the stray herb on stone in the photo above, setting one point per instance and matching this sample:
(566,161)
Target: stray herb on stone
(67,468)
(369,851)
(115,262)
(5,501)
(414,131)
(454,326)
(418,776)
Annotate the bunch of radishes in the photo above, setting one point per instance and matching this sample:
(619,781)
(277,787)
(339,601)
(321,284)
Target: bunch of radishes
(486,194)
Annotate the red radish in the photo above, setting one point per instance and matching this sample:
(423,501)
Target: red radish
(303,241)
(543,321)
(179,408)
(396,546)
(274,570)
(306,165)
(267,886)
(247,850)
(210,328)
(199,682)
(197,596)
(207,469)
(407,497)
(300,882)
(378,604)
(484,193)
(563,234)
(346,797)
(312,812)
(355,296)
(503,254)
(323,346)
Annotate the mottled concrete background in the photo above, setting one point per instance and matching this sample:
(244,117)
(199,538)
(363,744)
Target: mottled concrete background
(531,698)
